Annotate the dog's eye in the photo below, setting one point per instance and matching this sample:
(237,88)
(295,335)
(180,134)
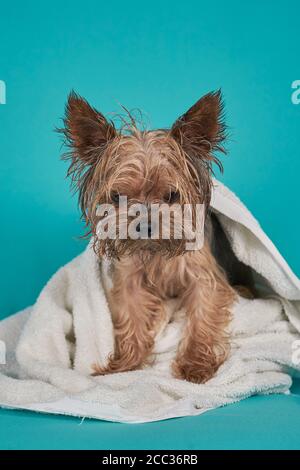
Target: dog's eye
(115,197)
(172,197)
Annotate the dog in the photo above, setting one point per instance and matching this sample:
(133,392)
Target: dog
(169,166)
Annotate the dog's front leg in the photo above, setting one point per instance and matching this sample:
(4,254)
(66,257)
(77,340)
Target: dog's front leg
(205,343)
(136,316)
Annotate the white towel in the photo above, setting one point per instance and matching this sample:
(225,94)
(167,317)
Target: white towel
(52,345)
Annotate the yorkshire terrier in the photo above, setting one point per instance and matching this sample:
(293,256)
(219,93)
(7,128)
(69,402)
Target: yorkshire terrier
(155,166)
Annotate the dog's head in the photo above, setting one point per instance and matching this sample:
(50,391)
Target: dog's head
(172,167)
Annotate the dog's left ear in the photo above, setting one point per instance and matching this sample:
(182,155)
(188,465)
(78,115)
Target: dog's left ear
(201,130)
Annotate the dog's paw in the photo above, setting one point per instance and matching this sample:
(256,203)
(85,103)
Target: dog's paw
(113,367)
(194,373)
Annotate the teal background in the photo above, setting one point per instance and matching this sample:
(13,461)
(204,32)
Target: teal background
(160,57)
(257,423)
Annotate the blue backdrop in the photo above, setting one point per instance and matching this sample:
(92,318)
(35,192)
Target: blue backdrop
(160,57)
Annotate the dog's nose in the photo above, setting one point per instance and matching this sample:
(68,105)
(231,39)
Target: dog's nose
(138,229)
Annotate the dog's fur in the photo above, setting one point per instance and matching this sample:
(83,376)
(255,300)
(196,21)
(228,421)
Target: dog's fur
(158,166)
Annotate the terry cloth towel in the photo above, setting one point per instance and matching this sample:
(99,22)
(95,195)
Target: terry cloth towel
(50,347)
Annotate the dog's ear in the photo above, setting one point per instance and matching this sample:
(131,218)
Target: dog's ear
(86,130)
(87,134)
(201,130)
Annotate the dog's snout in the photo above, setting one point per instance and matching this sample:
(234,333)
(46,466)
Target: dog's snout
(148,229)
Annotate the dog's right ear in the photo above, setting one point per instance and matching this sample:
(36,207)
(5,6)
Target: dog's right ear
(86,130)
